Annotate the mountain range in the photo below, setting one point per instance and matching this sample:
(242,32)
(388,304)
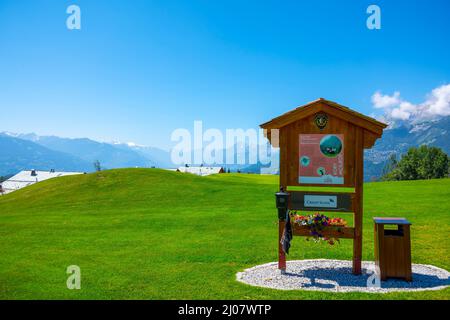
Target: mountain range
(30,151)
(27,151)
(18,154)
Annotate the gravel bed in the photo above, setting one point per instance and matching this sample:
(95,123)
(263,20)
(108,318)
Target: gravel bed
(336,276)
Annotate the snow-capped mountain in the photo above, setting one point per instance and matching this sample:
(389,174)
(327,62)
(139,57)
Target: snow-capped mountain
(403,135)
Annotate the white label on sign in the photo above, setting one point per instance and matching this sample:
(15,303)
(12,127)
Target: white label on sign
(315,201)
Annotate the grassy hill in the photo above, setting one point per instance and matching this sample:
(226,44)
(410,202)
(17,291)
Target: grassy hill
(152,234)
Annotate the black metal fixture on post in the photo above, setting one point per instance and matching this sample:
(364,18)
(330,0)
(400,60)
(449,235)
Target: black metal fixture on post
(282,199)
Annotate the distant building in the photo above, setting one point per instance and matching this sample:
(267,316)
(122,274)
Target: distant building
(201,171)
(26,178)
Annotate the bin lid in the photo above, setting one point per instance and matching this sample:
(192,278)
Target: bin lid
(391,221)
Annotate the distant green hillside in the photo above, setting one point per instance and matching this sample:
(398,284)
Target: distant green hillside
(152,234)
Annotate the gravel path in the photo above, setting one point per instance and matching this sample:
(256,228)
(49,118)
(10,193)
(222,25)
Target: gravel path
(336,276)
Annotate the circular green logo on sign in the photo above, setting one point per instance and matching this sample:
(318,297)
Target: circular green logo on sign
(321,171)
(331,146)
(305,161)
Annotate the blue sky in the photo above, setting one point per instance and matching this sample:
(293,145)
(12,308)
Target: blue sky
(137,70)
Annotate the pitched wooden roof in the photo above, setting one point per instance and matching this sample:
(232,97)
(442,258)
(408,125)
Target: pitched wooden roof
(331,108)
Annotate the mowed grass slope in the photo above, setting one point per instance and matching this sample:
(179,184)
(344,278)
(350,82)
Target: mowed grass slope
(153,234)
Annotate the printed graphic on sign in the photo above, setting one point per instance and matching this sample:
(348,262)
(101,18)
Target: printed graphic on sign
(321,159)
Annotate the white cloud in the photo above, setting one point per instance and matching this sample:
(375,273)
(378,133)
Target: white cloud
(403,111)
(438,101)
(381,101)
(394,107)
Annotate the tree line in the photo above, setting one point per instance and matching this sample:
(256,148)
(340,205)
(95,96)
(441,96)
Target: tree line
(423,162)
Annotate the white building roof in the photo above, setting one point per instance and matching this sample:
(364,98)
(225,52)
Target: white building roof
(25,178)
(201,171)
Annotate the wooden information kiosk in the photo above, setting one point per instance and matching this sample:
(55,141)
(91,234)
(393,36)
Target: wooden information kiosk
(321,145)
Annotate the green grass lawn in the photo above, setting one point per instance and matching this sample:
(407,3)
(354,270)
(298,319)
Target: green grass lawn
(152,234)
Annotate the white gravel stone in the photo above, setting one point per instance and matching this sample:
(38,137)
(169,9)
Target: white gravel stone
(336,276)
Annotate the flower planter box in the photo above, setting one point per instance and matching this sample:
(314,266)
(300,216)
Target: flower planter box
(329,232)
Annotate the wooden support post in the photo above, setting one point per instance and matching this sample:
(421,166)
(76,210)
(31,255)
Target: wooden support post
(358,205)
(281,254)
(283,186)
